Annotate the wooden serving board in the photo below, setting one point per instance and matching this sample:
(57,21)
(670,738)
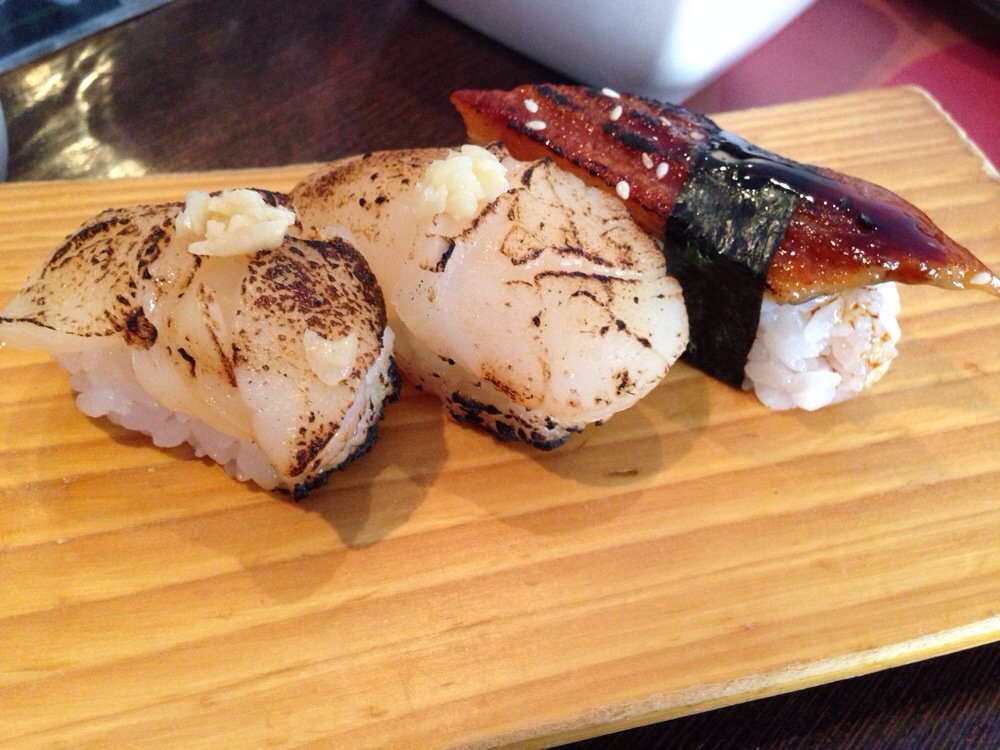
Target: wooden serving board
(451,590)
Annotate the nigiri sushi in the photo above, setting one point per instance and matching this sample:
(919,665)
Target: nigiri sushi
(208,322)
(530,303)
(787,269)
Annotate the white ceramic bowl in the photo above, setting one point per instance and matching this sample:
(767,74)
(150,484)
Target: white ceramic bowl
(664,49)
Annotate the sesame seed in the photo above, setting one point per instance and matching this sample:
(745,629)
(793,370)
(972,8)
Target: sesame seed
(647,160)
(535,125)
(531,105)
(981,279)
(623,190)
(616,112)
(697,135)
(664,120)
(611,92)
(661,170)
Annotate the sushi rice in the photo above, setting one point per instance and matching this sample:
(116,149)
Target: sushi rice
(105,386)
(825,350)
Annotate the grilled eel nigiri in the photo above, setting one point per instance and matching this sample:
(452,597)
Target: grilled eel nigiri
(738,222)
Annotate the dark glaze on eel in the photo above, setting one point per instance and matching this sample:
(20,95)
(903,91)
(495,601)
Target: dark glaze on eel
(841,232)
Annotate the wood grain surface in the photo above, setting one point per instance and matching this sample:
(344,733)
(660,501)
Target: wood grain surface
(451,590)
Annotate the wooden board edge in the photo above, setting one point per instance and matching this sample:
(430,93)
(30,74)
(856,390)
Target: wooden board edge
(988,167)
(788,679)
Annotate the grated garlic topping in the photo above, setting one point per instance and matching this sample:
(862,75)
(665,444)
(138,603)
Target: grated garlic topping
(462,183)
(233,222)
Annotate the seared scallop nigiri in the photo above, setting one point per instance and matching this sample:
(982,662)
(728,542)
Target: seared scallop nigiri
(529,302)
(207,323)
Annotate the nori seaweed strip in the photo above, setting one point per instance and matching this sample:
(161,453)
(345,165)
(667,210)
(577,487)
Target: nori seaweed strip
(728,221)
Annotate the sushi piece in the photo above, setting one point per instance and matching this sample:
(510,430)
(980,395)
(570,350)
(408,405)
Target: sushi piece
(531,304)
(746,232)
(209,323)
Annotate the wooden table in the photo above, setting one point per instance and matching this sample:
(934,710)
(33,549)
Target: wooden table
(206,85)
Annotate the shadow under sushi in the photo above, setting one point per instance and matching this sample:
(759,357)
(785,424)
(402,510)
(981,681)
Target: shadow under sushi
(604,466)
(362,503)
(375,494)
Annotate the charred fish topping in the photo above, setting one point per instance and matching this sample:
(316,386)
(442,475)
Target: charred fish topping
(138,330)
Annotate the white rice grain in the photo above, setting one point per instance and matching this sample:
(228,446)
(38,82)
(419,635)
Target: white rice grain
(823,351)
